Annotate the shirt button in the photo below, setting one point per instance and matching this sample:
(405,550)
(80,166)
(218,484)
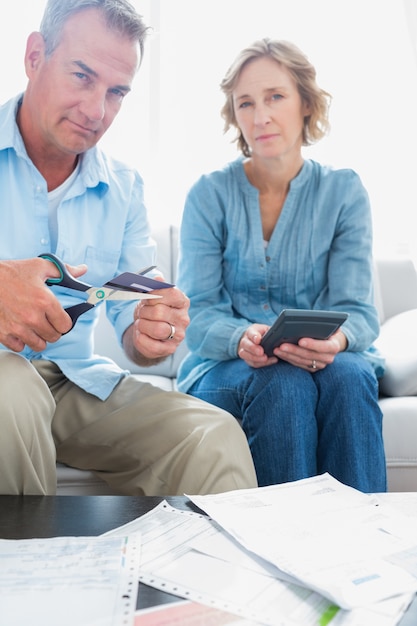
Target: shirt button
(268,258)
(44,241)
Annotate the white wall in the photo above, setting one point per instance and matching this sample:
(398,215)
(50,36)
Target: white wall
(170,126)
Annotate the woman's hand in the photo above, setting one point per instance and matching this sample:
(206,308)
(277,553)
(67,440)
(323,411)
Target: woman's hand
(312,354)
(249,349)
(309,354)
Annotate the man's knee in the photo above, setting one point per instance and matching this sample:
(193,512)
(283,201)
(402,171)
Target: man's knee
(11,366)
(211,453)
(27,454)
(26,398)
(223,451)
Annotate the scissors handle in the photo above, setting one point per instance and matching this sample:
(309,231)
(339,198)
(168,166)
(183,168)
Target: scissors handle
(76,310)
(65,279)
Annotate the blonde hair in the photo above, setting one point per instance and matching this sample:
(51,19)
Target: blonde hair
(316,123)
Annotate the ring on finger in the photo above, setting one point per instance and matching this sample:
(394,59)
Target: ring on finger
(171,332)
(313,364)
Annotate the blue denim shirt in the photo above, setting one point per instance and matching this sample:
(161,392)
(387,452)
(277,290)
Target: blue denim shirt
(319,257)
(102,222)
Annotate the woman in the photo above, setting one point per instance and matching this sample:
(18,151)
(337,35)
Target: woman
(270,231)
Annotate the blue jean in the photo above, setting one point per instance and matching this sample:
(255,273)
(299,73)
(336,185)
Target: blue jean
(300,424)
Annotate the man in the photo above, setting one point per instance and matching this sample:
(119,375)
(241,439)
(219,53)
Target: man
(60,193)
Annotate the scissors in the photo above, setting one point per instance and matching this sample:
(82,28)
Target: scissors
(96,295)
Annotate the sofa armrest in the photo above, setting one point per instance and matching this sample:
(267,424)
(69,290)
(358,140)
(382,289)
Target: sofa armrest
(395,286)
(396,298)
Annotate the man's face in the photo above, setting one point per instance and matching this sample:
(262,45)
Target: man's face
(75,94)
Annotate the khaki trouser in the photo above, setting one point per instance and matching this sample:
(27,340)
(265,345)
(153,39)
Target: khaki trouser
(141,440)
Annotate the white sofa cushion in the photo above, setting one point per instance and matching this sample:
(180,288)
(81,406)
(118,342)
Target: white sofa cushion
(395,286)
(76,482)
(397,342)
(400,436)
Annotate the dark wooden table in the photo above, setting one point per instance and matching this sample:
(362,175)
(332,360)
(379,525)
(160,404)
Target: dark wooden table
(28,517)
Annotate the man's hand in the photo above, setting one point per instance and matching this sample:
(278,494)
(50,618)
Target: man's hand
(30,314)
(149,337)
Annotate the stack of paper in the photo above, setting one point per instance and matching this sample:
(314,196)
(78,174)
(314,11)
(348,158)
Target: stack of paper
(327,536)
(309,553)
(312,552)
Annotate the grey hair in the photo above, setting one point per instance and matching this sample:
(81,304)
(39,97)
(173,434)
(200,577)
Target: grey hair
(120,17)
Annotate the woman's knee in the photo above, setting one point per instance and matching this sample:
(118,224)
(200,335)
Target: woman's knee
(350,371)
(281,381)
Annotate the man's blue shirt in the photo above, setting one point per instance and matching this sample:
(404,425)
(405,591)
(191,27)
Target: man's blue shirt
(102,222)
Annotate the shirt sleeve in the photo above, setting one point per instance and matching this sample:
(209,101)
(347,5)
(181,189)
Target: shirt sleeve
(215,328)
(349,283)
(137,250)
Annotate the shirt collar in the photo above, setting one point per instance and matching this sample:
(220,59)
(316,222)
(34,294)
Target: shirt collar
(10,136)
(93,171)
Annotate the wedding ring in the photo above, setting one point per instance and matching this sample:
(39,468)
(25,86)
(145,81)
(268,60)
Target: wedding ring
(313,364)
(172,332)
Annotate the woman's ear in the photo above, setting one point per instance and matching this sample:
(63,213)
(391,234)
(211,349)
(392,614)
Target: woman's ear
(35,53)
(306,108)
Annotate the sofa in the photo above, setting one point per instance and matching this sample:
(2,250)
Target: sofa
(396,299)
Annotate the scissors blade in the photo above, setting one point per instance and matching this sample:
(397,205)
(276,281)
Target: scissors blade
(131,295)
(99,294)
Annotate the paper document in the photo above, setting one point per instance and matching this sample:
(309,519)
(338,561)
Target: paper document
(239,582)
(331,538)
(188,613)
(70,581)
(188,555)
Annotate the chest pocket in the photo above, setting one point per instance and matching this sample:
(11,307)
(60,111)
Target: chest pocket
(102,264)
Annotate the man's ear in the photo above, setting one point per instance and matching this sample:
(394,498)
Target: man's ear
(35,53)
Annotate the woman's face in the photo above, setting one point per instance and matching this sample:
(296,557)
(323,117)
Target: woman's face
(268,109)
